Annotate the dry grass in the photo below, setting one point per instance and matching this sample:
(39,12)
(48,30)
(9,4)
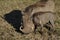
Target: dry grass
(7,31)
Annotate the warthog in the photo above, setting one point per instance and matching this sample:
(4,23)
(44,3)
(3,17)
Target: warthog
(28,25)
(40,6)
(42,18)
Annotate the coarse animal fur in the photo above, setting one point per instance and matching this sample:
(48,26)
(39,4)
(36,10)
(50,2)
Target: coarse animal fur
(28,25)
(40,6)
(41,18)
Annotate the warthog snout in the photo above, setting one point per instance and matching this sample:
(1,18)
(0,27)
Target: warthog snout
(27,29)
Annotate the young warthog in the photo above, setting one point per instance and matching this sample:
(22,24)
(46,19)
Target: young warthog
(42,18)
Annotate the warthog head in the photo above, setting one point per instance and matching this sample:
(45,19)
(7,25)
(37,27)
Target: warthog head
(28,25)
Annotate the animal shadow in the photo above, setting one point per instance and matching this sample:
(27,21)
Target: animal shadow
(14,18)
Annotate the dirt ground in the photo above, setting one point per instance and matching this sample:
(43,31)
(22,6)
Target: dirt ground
(10,20)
